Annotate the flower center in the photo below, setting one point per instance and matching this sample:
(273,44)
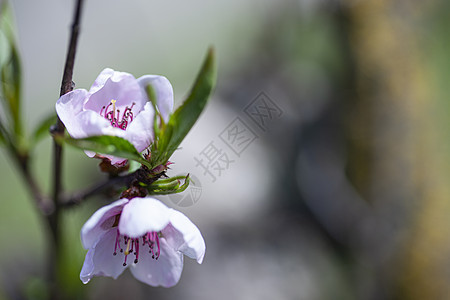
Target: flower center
(131,245)
(112,114)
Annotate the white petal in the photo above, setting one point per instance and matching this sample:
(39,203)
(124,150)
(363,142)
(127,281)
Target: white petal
(164,271)
(89,153)
(88,267)
(89,123)
(101,221)
(119,76)
(101,79)
(116,161)
(100,260)
(123,88)
(163,92)
(142,215)
(69,106)
(140,132)
(184,236)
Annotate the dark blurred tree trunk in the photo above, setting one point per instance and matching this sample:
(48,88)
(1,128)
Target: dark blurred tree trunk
(394,159)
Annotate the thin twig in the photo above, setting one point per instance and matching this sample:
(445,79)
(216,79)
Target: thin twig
(140,175)
(66,86)
(53,219)
(98,188)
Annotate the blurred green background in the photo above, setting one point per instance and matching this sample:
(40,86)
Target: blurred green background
(344,193)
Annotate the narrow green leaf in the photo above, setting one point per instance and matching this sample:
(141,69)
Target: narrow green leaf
(10,70)
(182,120)
(11,84)
(152,96)
(42,130)
(134,166)
(109,145)
(2,138)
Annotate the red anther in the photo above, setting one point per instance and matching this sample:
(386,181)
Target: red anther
(132,245)
(112,114)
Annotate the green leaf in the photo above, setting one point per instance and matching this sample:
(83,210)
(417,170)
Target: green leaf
(42,130)
(182,120)
(134,166)
(104,144)
(4,134)
(10,69)
(2,138)
(152,96)
(11,83)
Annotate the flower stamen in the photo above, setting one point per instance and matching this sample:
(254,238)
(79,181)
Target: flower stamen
(125,262)
(137,251)
(152,238)
(132,245)
(127,251)
(112,114)
(117,243)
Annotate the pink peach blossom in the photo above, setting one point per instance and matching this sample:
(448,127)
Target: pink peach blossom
(144,235)
(116,104)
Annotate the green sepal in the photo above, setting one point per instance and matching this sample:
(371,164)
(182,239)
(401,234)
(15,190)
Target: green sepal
(105,144)
(170,179)
(167,183)
(170,186)
(174,184)
(181,121)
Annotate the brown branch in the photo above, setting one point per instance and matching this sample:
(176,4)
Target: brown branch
(140,175)
(99,188)
(53,219)
(66,86)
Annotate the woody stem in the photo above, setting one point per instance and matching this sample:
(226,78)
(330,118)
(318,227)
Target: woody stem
(53,219)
